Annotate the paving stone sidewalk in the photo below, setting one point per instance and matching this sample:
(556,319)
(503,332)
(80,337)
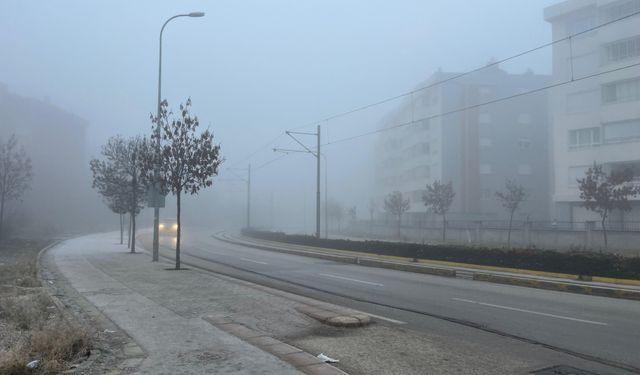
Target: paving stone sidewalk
(169,313)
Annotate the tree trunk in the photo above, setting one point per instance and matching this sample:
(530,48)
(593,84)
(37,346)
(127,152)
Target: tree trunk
(509,233)
(121,230)
(129,234)
(604,230)
(178,232)
(399,224)
(2,216)
(444,228)
(133,232)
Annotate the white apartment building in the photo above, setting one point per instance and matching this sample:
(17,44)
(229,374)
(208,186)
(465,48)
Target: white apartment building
(595,118)
(430,138)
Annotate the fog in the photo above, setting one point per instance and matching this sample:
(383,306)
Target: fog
(253,69)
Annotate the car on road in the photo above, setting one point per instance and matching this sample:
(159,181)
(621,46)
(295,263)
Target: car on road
(168,228)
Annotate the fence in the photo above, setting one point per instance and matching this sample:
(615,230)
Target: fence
(623,237)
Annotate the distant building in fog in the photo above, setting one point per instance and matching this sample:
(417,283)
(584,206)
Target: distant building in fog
(55,141)
(477,149)
(595,119)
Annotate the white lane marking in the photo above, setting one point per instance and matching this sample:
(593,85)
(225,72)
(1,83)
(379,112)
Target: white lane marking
(383,318)
(253,261)
(349,279)
(530,312)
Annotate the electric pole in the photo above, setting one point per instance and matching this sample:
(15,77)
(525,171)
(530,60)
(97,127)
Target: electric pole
(315,153)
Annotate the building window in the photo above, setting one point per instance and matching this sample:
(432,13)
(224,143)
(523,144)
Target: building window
(618,10)
(576,173)
(524,144)
(623,131)
(524,169)
(621,50)
(581,25)
(485,169)
(584,137)
(582,101)
(487,194)
(524,119)
(622,91)
(484,118)
(485,142)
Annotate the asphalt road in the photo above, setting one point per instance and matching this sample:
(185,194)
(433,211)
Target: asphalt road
(604,329)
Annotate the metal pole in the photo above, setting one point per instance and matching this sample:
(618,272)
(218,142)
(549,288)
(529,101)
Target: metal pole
(156,170)
(249,197)
(326,197)
(318,188)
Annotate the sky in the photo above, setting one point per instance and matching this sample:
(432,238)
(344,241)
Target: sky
(256,68)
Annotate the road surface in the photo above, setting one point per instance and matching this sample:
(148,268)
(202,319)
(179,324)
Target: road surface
(604,330)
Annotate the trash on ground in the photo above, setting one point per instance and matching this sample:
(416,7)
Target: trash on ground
(327,359)
(33,364)
(108,331)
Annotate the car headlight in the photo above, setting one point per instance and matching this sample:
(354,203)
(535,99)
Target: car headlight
(175,227)
(161,226)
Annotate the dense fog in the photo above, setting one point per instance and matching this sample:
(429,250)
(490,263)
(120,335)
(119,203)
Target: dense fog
(75,73)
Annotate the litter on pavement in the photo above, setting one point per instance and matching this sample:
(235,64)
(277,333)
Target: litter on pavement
(327,359)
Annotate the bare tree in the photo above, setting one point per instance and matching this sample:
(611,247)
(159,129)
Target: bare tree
(602,192)
(119,206)
(372,211)
(511,199)
(121,177)
(353,213)
(335,212)
(15,173)
(396,205)
(438,199)
(188,160)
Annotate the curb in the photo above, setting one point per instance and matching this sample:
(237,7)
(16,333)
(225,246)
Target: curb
(335,318)
(560,287)
(299,359)
(325,313)
(569,287)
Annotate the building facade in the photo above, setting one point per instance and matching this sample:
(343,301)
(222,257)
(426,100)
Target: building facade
(60,198)
(595,116)
(448,132)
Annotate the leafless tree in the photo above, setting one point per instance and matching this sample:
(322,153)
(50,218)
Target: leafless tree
(396,205)
(188,160)
(15,173)
(438,199)
(511,199)
(602,192)
(335,211)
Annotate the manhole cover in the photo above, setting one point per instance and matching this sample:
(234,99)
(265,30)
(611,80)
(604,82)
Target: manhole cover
(563,370)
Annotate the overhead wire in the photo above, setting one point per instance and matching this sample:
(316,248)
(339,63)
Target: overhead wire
(449,79)
(472,71)
(463,109)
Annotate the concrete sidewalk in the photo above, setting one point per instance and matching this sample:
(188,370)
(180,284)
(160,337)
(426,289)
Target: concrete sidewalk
(185,322)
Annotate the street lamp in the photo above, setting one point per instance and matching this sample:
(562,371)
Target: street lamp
(156,172)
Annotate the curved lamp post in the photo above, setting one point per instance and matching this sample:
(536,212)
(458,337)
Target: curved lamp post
(156,209)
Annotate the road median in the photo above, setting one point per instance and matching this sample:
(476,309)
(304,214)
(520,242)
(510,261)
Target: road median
(602,289)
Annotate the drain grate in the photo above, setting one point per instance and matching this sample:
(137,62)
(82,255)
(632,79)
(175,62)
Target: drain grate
(562,370)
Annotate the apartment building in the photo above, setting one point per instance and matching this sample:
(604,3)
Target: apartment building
(595,117)
(446,133)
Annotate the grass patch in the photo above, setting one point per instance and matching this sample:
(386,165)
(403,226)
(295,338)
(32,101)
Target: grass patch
(27,312)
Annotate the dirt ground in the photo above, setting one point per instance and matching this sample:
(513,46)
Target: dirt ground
(35,327)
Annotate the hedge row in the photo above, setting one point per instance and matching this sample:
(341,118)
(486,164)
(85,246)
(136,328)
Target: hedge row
(577,263)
